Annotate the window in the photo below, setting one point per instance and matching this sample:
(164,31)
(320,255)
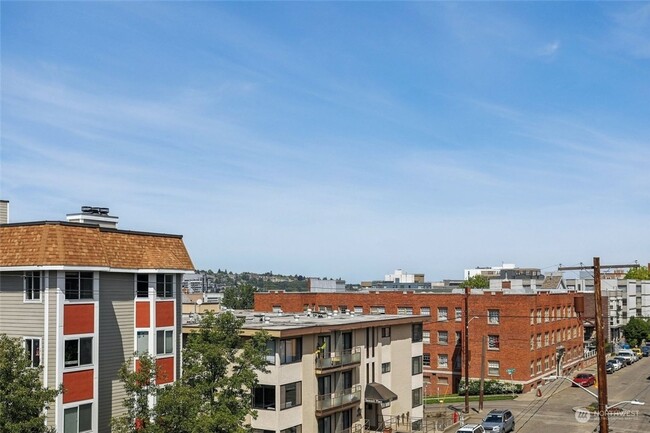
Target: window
(532,317)
(343,309)
(539,365)
(426,359)
(493,368)
(443,360)
(264,397)
(539,340)
(290,395)
(33,347)
(547,339)
(532,342)
(539,315)
(458,314)
(270,351)
(443,380)
(78,351)
(416,397)
(296,429)
(458,338)
(385,332)
(358,310)
(546,363)
(165,285)
(493,317)
(547,315)
(426,311)
(416,365)
(493,342)
(442,314)
(416,333)
(32,285)
(78,285)
(142,342)
(385,367)
(532,368)
(443,337)
(405,310)
(142,286)
(378,310)
(78,419)
(426,337)
(290,350)
(164,342)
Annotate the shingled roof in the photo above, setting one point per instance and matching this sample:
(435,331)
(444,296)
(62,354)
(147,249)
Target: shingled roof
(52,243)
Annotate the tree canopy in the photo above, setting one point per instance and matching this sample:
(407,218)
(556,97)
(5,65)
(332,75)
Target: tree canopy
(640,273)
(22,395)
(240,297)
(476,282)
(636,330)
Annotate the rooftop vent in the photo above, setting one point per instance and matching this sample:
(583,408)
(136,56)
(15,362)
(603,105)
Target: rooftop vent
(94,215)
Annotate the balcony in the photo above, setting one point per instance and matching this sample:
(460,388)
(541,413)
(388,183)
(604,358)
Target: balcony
(333,402)
(338,360)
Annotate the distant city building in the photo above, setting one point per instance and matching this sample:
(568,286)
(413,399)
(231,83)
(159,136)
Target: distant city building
(505,271)
(338,372)
(84,296)
(400,276)
(325,286)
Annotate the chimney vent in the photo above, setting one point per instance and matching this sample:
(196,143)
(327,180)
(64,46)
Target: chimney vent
(94,215)
(4,211)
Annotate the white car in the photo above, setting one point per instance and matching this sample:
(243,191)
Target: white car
(471,428)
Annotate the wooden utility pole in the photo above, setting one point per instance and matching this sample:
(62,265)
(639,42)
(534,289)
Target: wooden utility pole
(482,384)
(466,351)
(600,339)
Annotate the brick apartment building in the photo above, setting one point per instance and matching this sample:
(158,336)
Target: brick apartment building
(532,335)
(84,296)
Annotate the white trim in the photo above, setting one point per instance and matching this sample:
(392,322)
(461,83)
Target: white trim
(95,407)
(46,325)
(81,403)
(80,366)
(59,348)
(40,289)
(94,268)
(40,346)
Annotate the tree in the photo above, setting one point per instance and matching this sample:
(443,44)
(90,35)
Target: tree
(240,297)
(640,273)
(222,366)
(22,396)
(476,282)
(140,385)
(637,329)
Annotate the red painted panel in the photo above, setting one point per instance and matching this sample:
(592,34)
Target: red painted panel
(142,314)
(77,386)
(79,319)
(164,313)
(165,370)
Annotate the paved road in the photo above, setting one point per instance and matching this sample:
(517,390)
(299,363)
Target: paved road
(553,411)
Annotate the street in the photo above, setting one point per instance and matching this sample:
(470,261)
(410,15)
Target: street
(553,411)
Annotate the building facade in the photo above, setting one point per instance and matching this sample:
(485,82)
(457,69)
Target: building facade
(84,299)
(527,336)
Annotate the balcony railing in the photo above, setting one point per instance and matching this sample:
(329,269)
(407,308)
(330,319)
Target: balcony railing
(339,359)
(337,399)
(357,428)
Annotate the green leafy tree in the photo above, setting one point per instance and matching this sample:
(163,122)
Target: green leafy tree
(239,297)
(222,367)
(636,329)
(22,395)
(640,273)
(140,385)
(476,282)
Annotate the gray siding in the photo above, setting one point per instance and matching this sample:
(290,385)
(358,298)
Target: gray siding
(116,345)
(52,291)
(18,318)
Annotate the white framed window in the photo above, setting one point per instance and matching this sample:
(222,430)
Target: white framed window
(426,337)
(385,332)
(493,342)
(78,352)
(443,338)
(32,286)
(443,360)
(78,419)
(458,314)
(142,342)
(539,341)
(493,368)
(33,348)
(442,314)
(493,317)
(358,309)
(405,310)
(426,359)
(165,285)
(164,342)
(378,309)
(425,311)
(385,367)
(79,285)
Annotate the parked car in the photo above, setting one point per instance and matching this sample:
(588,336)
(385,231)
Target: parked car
(646,351)
(624,361)
(617,363)
(609,367)
(628,355)
(584,379)
(471,428)
(498,420)
(637,352)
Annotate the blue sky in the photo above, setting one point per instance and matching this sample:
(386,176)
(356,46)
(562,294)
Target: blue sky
(337,139)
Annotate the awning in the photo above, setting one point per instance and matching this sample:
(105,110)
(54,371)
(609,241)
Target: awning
(378,393)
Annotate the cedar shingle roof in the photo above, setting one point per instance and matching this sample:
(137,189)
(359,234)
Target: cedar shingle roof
(71,244)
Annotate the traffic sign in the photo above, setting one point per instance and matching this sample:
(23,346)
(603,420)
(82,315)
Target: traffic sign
(511,371)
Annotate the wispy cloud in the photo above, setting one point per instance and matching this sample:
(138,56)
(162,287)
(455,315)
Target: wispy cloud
(630,30)
(549,50)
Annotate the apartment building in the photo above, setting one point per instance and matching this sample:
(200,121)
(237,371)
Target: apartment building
(528,335)
(84,297)
(337,373)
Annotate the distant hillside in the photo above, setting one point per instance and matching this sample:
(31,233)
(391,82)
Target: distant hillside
(262,282)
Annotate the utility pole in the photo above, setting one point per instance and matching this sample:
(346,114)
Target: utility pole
(600,339)
(482,385)
(466,346)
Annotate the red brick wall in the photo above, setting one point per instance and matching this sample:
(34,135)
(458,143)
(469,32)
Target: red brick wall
(514,329)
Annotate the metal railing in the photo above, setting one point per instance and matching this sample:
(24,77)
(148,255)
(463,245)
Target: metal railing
(589,355)
(432,423)
(338,359)
(357,428)
(333,400)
